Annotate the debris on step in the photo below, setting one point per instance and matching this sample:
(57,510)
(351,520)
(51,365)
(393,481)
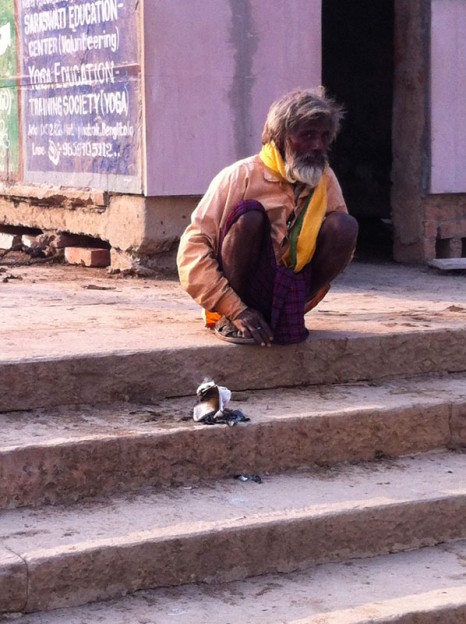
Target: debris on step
(211,407)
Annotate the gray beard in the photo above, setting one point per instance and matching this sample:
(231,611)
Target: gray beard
(307,174)
(298,169)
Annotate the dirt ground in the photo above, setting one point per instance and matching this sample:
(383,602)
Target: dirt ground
(374,272)
(48,308)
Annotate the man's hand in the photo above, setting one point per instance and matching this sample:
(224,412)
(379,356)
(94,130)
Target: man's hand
(252,324)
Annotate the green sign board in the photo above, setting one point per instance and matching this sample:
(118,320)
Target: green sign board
(9,134)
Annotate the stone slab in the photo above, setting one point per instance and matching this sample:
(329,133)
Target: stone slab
(449,264)
(458,426)
(29,240)
(59,311)
(49,456)
(417,587)
(163,372)
(143,338)
(8,241)
(13,581)
(232,530)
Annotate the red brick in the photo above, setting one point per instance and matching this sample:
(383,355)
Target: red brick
(87,256)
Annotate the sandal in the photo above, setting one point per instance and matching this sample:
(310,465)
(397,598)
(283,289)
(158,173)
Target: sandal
(225,330)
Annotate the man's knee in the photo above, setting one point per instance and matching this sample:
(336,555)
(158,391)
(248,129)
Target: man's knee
(243,243)
(341,228)
(248,226)
(252,220)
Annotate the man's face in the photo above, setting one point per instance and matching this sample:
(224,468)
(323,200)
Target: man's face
(306,151)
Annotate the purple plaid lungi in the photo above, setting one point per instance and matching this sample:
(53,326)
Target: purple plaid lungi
(277,292)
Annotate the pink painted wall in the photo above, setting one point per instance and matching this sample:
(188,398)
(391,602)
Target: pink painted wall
(448,96)
(211,70)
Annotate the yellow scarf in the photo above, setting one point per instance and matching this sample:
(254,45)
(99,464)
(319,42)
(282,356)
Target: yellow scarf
(313,217)
(272,159)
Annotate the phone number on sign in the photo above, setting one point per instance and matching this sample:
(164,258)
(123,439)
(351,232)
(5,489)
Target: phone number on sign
(88,148)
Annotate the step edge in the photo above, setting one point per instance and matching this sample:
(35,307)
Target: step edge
(438,521)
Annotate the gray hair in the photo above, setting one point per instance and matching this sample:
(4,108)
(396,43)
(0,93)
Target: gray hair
(297,106)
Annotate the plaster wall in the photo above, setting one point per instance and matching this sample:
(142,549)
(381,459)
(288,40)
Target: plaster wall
(211,70)
(428,224)
(448,96)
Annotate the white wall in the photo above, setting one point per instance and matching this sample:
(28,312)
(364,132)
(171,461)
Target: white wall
(448,96)
(211,70)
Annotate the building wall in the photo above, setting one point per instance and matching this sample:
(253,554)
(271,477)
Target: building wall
(212,68)
(446,210)
(427,224)
(197,77)
(448,96)
(191,81)
(72,82)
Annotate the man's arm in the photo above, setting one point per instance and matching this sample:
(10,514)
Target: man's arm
(335,199)
(197,261)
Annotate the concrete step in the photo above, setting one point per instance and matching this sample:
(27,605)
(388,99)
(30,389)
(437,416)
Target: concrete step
(327,357)
(50,456)
(53,557)
(427,586)
(92,339)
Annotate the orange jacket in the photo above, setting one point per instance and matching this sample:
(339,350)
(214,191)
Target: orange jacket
(197,255)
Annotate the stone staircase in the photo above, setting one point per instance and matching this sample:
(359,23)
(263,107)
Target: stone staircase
(117,507)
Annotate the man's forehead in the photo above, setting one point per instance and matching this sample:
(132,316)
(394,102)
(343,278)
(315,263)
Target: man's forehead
(306,125)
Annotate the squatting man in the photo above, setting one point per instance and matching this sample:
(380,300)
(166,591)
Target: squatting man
(272,231)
